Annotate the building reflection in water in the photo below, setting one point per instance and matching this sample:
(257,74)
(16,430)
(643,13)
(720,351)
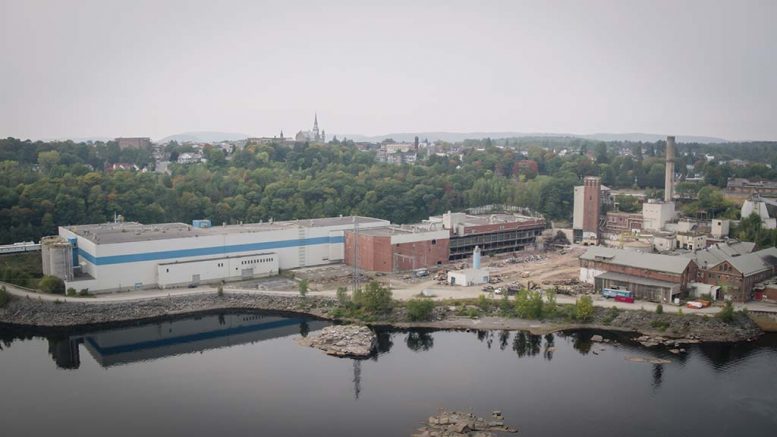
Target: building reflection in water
(151,341)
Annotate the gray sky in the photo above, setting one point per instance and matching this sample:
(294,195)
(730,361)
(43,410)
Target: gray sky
(154,68)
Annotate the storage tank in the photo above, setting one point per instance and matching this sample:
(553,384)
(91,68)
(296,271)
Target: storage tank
(476,258)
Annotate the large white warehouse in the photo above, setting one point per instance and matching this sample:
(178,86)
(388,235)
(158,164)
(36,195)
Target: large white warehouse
(122,256)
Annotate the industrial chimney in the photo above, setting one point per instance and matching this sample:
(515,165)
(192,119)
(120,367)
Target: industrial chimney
(669,179)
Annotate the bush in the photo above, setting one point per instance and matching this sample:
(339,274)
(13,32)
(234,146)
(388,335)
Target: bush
(661,325)
(726,314)
(84,292)
(584,308)
(71,292)
(52,284)
(529,304)
(419,309)
(483,303)
(374,299)
(612,313)
(551,306)
(342,296)
(4,297)
(659,309)
(505,308)
(303,287)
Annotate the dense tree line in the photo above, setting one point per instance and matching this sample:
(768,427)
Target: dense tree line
(48,184)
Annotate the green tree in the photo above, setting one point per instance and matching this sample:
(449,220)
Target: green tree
(375,298)
(419,309)
(726,313)
(52,284)
(584,308)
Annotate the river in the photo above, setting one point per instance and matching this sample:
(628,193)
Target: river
(244,375)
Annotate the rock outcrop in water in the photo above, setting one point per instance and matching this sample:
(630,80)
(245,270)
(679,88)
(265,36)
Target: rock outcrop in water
(343,341)
(457,423)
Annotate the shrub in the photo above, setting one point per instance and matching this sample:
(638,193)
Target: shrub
(551,306)
(612,313)
(659,309)
(303,287)
(342,296)
(584,308)
(483,303)
(726,314)
(375,298)
(661,325)
(71,292)
(504,306)
(52,284)
(529,304)
(4,297)
(419,309)
(84,292)
(679,311)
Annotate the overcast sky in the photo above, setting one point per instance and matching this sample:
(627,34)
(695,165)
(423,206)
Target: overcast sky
(155,68)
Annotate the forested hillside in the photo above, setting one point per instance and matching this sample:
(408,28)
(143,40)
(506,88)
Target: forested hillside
(45,185)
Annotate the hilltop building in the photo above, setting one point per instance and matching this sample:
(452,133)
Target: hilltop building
(312,136)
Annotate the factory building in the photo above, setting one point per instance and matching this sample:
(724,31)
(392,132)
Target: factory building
(397,248)
(122,256)
(588,201)
(492,233)
(735,268)
(653,277)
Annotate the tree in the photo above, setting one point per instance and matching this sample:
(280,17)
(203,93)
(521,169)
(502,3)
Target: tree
(375,298)
(584,308)
(52,285)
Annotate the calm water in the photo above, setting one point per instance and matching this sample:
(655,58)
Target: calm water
(243,374)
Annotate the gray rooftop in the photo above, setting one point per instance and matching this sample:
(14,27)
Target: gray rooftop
(755,262)
(109,233)
(648,261)
(719,252)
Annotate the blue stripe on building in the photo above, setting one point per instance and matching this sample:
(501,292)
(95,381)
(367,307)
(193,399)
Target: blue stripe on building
(150,344)
(205,251)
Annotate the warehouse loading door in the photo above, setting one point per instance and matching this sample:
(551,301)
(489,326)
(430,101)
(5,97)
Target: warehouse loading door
(247,273)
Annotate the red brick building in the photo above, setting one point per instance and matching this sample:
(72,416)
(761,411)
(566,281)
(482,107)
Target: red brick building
(658,278)
(396,248)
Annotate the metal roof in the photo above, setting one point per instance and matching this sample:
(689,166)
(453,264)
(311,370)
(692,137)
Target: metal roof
(755,262)
(647,261)
(717,253)
(125,232)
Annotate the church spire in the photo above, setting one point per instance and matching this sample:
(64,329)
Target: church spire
(316,135)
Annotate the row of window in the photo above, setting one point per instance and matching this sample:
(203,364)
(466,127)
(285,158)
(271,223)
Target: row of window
(250,261)
(257,261)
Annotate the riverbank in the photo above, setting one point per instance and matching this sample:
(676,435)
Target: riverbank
(43,314)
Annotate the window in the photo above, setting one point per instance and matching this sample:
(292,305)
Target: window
(167,270)
(434,242)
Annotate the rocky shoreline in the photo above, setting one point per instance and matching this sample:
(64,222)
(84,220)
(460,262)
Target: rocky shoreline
(352,341)
(48,315)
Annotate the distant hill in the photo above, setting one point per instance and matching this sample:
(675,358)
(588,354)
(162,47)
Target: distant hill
(204,137)
(461,136)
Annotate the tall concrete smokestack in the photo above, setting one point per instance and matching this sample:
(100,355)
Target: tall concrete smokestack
(669,179)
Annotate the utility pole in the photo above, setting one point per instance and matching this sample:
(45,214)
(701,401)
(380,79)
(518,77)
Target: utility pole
(355,264)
